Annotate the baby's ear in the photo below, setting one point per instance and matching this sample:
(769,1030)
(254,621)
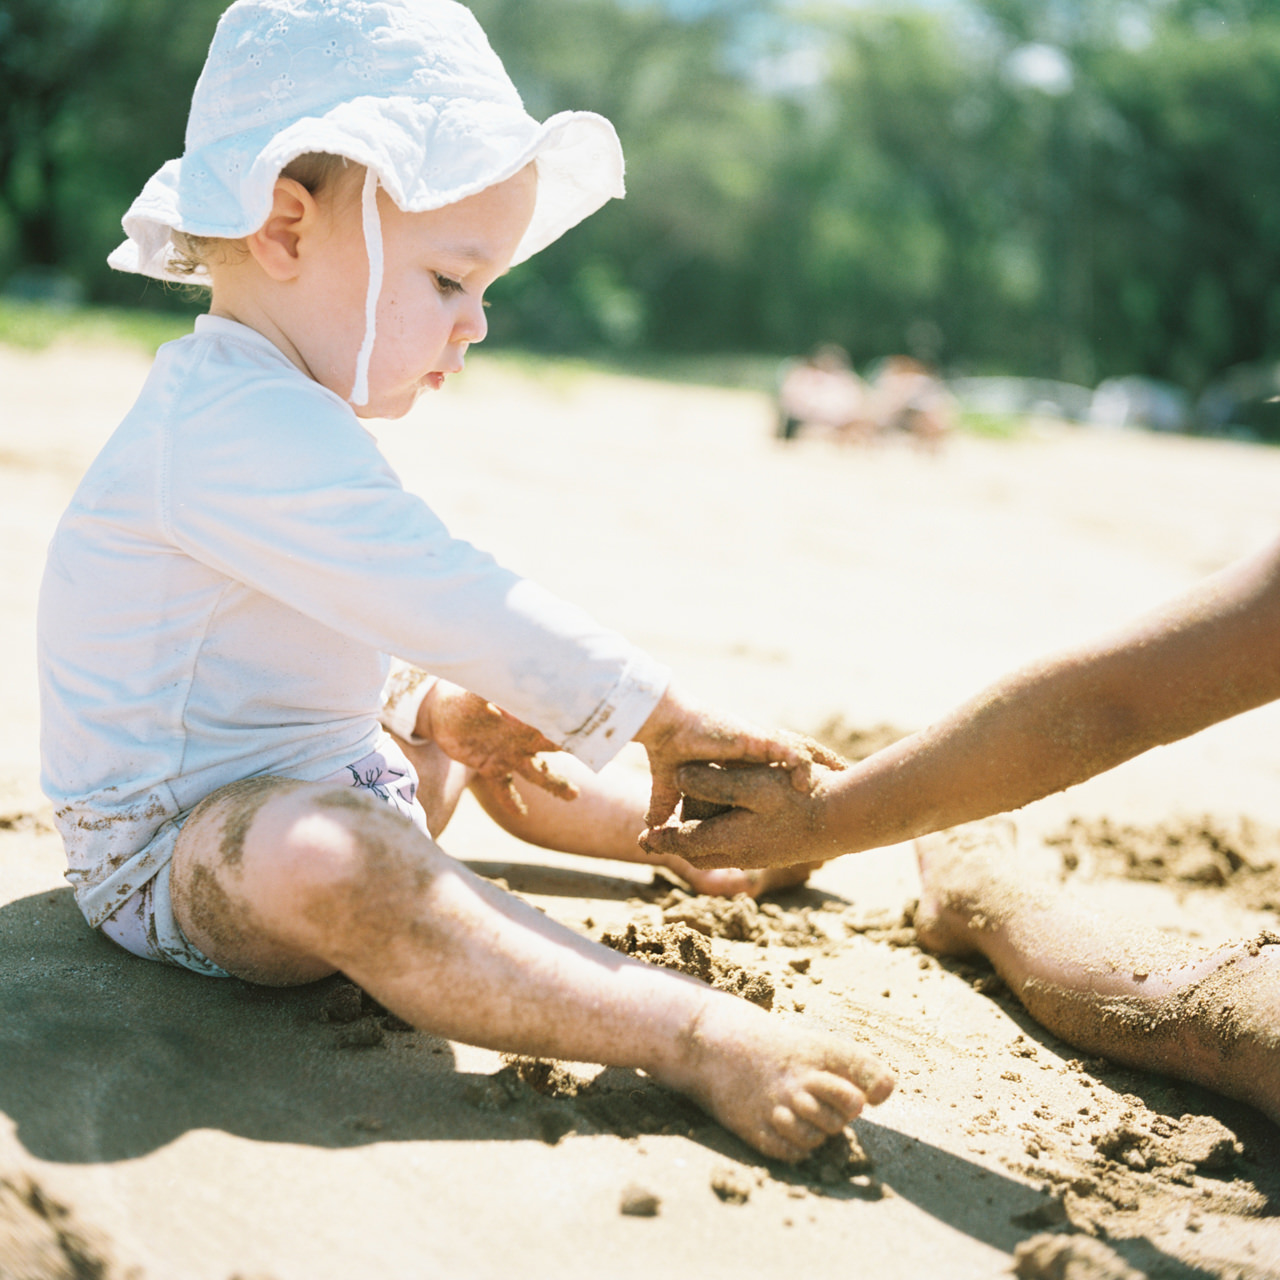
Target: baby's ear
(274,246)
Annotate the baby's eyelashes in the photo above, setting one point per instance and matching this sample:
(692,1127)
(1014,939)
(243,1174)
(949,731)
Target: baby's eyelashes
(446,284)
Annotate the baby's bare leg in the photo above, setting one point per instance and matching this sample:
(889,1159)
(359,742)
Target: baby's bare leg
(605,821)
(441,781)
(1101,982)
(282,882)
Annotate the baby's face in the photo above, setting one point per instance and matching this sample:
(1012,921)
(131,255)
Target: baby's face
(437,266)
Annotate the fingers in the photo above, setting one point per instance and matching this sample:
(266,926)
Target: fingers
(759,787)
(664,795)
(730,840)
(504,794)
(539,772)
(822,754)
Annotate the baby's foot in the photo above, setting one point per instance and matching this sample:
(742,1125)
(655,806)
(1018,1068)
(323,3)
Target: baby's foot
(784,1089)
(959,870)
(728,882)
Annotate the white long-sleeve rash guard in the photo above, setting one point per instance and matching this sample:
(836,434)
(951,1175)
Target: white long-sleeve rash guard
(224,589)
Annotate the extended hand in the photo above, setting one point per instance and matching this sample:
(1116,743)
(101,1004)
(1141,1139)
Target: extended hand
(773,823)
(679,732)
(492,742)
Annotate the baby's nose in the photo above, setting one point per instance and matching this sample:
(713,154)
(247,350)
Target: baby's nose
(472,325)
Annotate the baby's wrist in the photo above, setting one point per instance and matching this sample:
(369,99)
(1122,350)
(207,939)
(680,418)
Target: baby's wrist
(664,719)
(406,703)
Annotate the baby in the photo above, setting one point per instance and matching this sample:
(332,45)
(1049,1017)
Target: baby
(223,592)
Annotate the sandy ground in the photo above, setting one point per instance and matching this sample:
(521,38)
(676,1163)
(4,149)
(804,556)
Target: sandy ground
(157,1124)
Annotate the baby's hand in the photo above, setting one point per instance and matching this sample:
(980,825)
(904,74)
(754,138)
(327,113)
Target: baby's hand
(491,741)
(679,732)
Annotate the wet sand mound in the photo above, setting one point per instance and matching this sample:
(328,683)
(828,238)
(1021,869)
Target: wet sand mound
(1239,856)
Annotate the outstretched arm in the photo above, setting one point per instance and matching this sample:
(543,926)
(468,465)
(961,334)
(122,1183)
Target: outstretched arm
(1209,654)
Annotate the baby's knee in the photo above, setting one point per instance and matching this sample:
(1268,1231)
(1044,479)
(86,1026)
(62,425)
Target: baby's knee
(349,845)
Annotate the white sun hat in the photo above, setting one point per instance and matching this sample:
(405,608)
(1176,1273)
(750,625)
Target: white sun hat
(409,88)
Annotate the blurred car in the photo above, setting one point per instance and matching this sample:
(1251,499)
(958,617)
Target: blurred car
(1141,402)
(1244,403)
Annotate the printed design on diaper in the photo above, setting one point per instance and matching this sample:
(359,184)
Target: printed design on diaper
(382,781)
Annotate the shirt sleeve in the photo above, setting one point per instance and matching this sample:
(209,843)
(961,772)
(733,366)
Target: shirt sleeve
(281,488)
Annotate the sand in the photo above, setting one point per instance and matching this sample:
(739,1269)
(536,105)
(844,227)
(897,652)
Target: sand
(160,1125)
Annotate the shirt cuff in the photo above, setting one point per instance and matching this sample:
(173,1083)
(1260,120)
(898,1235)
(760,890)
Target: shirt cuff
(622,714)
(402,696)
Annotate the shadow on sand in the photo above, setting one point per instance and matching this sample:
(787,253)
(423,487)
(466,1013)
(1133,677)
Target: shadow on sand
(105,1058)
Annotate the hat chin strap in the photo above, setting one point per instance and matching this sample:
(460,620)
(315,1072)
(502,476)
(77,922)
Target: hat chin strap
(373,249)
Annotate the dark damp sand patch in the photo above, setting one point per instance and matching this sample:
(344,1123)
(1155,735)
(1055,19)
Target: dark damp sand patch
(362,1022)
(210,910)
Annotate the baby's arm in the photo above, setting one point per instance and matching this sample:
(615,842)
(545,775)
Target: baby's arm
(1210,654)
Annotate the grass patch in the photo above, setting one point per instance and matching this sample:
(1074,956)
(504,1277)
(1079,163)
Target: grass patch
(726,371)
(992,426)
(33,326)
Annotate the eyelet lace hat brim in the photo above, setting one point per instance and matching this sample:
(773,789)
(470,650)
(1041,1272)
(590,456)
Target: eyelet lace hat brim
(409,88)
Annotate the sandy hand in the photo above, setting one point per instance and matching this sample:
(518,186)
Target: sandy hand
(770,822)
(680,731)
(492,742)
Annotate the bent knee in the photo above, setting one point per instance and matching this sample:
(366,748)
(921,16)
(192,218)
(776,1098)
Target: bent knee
(336,839)
(301,869)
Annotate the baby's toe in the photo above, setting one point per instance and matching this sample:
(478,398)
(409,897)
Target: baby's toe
(796,1130)
(868,1077)
(822,1114)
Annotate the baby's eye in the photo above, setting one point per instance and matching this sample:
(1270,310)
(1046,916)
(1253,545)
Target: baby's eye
(446,285)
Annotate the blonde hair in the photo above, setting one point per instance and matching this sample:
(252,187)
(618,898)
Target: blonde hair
(193,255)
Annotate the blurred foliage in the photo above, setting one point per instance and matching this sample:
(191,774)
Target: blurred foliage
(1070,189)
(37,325)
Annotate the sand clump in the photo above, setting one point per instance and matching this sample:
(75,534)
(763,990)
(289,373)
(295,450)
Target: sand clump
(41,1239)
(639,1202)
(1050,1257)
(362,1023)
(685,949)
(1239,856)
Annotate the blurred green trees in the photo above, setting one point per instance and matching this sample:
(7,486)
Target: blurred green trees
(1062,188)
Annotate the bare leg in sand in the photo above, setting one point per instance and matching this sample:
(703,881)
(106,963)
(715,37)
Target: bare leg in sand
(284,882)
(1101,982)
